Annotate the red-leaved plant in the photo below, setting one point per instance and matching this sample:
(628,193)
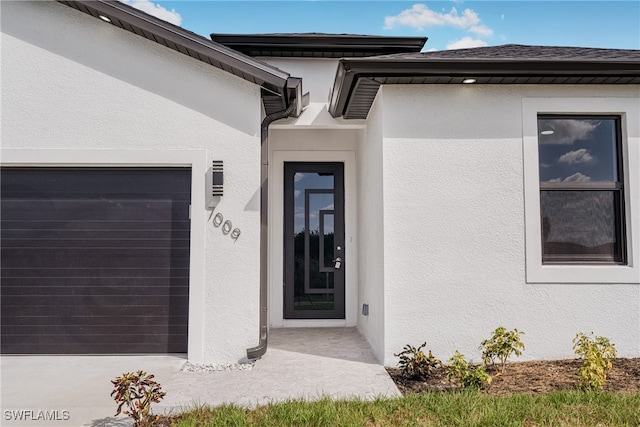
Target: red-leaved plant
(138,391)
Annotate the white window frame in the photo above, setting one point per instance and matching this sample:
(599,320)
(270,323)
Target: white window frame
(629,111)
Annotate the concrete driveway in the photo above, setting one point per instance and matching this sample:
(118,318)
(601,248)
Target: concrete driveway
(70,390)
(300,363)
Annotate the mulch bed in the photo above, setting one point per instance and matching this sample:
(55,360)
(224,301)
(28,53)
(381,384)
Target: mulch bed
(530,377)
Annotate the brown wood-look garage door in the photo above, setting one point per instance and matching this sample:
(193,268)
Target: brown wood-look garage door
(94,260)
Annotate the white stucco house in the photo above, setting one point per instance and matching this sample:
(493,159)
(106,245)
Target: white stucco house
(167,193)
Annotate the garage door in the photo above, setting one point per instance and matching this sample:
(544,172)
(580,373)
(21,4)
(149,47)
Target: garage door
(94,260)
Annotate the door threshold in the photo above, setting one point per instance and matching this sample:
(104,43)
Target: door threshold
(312,323)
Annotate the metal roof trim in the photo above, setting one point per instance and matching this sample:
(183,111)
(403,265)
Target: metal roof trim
(404,65)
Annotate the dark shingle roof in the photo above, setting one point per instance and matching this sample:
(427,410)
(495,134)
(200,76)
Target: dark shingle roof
(525,52)
(358,79)
(318,45)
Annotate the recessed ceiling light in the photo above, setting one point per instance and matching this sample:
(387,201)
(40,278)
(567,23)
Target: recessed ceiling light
(469,81)
(546,132)
(104,18)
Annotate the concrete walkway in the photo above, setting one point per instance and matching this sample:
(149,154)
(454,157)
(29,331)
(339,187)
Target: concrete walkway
(300,363)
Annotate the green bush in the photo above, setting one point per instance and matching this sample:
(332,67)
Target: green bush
(137,390)
(467,375)
(501,346)
(597,353)
(415,364)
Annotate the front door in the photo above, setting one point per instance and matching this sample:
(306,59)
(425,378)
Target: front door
(314,260)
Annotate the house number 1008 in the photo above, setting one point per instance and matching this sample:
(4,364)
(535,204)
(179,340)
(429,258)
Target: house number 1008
(227,226)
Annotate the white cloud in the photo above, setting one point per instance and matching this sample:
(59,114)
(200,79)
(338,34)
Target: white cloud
(421,17)
(577,177)
(566,131)
(156,10)
(465,42)
(576,157)
(481,30)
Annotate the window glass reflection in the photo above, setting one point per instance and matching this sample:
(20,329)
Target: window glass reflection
(577,150)
(313,243)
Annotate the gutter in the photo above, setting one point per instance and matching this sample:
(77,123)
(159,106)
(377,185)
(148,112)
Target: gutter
(294,92)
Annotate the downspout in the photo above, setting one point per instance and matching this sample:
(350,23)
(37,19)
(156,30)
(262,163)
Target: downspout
(258,351)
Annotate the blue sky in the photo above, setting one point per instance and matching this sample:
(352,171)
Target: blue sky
(447,24)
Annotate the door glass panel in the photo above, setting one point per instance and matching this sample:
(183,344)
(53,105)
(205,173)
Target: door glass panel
(314,266)
(313,241)
(326,238)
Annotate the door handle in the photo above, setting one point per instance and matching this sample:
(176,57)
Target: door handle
(337,263)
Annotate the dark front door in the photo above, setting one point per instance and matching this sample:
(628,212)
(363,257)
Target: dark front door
(314,254)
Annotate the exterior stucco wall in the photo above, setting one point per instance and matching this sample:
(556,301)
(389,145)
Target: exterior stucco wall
(317,74)
(317,80)
(371,230)
(454,228)
(79,86)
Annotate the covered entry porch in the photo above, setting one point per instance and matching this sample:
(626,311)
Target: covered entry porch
(301,363)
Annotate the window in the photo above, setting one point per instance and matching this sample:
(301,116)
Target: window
(581,189)
(583,176)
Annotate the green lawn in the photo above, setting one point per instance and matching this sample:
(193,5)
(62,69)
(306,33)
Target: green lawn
(568,408)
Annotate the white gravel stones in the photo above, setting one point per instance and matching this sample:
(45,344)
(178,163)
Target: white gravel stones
(193,367)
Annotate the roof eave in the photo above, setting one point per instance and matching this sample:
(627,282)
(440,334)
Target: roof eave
(319,45)
(350,71)
(185,42)
(342,85)
(403,65)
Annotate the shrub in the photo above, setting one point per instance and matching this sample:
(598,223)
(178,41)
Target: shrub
(465,374)
(137,390)
(501,346)
(415,364)
(597,353)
